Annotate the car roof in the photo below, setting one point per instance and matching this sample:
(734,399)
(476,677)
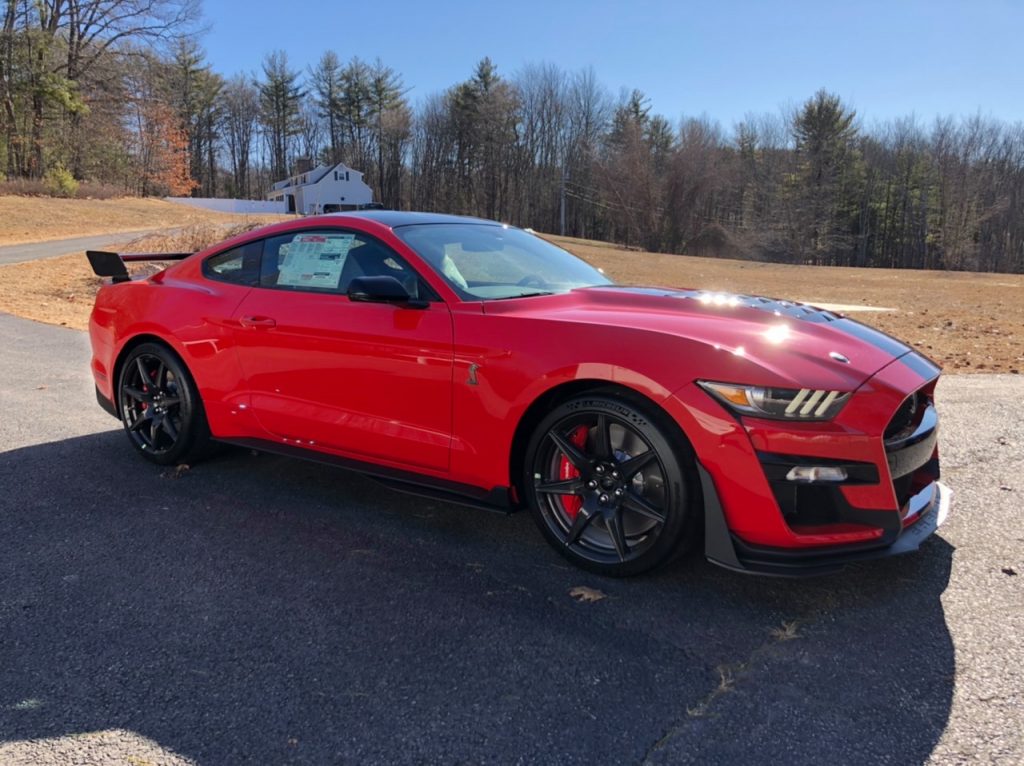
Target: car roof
(395,218)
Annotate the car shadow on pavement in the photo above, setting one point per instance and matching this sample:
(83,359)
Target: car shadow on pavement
(256,608)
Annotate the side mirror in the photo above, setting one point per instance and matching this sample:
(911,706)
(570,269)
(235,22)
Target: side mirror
(384,289)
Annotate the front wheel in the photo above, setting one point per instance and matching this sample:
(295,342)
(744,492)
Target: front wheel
(609,485)
(160,406)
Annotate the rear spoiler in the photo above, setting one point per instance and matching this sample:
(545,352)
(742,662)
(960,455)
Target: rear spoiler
(107,264)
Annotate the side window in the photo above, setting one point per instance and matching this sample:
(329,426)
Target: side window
(327,261)
(239,265)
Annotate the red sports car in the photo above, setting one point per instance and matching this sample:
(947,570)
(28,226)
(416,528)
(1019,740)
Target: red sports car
(469,360)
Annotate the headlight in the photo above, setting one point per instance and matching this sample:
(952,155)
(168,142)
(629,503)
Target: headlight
(779,403)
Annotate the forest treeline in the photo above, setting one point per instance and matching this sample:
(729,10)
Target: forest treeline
(117,93)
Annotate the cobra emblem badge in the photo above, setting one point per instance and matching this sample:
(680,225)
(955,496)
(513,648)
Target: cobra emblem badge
(471,380)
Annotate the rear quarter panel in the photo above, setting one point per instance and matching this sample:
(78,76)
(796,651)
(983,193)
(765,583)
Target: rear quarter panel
(190,315)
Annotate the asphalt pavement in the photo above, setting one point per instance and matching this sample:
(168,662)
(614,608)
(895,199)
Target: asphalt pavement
(30,251)
(255,609)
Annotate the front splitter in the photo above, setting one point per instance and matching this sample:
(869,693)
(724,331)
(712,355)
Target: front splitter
(930,507)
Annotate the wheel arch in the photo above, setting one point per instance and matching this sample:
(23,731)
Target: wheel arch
(132,343)
(557,394)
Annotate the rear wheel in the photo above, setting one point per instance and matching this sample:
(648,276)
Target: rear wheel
(160,407)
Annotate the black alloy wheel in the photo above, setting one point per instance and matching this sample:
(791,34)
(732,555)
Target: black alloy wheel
(610,485)
(160,407)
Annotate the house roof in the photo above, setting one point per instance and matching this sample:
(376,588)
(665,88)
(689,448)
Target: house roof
(316,175)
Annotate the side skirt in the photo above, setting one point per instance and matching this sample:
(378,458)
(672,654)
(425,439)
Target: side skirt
(497,499)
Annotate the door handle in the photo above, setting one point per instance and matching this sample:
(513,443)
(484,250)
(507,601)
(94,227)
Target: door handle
(257,322)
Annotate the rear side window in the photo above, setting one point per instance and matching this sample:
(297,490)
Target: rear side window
(237,266)
(326,261)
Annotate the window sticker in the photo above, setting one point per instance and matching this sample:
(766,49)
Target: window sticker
(314,260)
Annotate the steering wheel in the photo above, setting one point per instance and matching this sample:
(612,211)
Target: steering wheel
(535,280)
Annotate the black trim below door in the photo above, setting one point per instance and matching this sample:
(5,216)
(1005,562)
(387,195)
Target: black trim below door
(495,499)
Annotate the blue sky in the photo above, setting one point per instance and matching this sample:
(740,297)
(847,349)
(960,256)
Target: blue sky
(722,59)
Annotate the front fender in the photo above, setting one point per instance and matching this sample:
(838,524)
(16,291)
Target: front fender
(489,412)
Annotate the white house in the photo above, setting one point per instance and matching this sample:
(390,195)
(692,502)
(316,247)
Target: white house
(324,189)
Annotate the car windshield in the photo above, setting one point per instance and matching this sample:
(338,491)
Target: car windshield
(491,261)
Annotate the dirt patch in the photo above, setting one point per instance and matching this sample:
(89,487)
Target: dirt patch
(54,290)
(39,219)
(967,322)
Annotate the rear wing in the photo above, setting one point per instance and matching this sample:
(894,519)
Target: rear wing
(107,264)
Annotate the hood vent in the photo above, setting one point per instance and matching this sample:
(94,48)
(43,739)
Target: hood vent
(771,305)
(779,308)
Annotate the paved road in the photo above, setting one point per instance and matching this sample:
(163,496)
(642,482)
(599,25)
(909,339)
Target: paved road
(260,610)
(34,250)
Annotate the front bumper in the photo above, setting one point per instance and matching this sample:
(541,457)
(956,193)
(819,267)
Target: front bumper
(763,516)
(106,404)
(926,511)
(747,459)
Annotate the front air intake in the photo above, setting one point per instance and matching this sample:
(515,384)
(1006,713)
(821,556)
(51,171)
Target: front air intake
(906,418)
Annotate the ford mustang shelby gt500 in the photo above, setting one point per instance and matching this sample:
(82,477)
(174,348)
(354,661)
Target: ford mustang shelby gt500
(469,360)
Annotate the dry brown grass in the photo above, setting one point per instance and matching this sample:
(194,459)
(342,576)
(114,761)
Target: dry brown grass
(54,290)
(967,322)
(190,239)
(38,219)
(37,188)
(61,290)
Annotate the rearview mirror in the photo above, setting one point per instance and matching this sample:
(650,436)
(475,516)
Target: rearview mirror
(383,289)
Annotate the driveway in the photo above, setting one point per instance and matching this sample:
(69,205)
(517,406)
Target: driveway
(256,609)
(31,251)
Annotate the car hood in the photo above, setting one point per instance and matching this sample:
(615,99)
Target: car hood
(756,340)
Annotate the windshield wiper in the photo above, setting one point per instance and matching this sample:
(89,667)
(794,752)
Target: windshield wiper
(524,295)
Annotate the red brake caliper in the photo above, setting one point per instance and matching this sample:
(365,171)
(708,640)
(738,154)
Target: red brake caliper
(567,470)
(145,389)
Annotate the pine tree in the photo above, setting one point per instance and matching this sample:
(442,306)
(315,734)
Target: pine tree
(824,132)
(326,81)
(280,95)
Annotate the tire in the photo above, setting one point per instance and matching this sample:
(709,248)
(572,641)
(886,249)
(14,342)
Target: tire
(160,407)
(610,485)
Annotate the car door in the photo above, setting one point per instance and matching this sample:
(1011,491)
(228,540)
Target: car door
(372,380)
